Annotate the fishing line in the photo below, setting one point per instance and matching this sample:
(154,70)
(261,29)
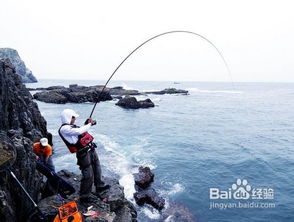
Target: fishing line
(154,37)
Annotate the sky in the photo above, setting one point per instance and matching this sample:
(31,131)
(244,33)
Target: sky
(74,39)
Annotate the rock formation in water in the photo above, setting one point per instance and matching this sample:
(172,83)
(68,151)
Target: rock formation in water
(145,193)
(79,94)
(169,91)
(20,67)
(130,102)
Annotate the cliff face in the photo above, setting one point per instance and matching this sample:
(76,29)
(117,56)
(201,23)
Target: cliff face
(19,65)
(21,124)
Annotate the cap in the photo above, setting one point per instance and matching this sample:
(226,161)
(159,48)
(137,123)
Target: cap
(44,141)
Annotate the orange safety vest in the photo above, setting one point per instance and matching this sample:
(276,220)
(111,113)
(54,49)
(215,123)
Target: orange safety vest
(83,140)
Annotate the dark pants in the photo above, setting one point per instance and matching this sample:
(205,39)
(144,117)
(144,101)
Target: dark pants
(48,164)
(91,171)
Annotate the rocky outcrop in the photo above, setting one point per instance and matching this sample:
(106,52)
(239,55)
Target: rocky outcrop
(111,206)
(130,102)
(21,124)
(79,94)
(20,67)
(169,91)
(73,94)
(144,177)
(149,196)
(145,193)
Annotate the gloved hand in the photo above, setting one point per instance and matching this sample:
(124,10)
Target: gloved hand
(90,120)
(87,121)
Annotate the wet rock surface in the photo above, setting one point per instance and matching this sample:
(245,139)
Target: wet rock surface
(19,66)
(21,124)
(144,177)
(145,193)
(130,102)
(149,196)
(110,206)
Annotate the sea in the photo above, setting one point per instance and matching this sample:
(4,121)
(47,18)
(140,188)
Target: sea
(224,152)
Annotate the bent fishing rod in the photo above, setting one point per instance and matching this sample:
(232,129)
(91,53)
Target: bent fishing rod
(148,40)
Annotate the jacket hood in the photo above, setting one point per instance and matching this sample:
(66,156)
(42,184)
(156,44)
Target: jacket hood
(67,114)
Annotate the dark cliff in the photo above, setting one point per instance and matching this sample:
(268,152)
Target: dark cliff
(21,124)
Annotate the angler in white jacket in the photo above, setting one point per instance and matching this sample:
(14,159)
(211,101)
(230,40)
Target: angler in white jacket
(79,141)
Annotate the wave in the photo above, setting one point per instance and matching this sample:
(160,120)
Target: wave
(117,162)
(172,189)
(125,86)
(213,91)
(151,213)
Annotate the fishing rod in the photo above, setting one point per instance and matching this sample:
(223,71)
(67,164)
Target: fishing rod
(148,40)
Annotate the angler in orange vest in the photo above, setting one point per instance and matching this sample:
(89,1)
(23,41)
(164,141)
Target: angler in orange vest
(79,141)
(43,152)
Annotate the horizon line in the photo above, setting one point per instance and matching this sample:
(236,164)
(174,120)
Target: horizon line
(134,80)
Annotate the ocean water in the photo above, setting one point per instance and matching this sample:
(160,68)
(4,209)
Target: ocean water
(219,133)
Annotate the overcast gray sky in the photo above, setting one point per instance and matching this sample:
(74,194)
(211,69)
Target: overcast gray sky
(88,39)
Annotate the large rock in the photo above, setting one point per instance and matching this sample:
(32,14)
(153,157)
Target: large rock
(169,91)
(20,67)
(145,193)
(149,196)
(130,102)
(144,177)
(73,94)
(21,124)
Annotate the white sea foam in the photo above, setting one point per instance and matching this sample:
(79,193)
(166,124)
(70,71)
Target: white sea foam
(172,189)
(157,99)
(116,162)
(213,91)
(176,188)
(169,219)
(125,86)
(152,214)
(128,182)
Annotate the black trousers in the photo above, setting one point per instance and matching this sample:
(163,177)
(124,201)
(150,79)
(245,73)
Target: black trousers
(89,164)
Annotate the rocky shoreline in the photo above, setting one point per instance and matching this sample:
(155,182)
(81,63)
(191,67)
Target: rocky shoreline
(21,124)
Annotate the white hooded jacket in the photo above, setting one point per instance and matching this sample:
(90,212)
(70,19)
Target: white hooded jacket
(67,131)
